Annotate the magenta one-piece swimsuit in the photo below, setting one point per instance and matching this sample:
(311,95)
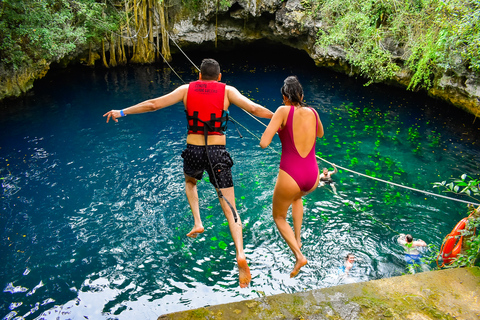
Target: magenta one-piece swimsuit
(303,170)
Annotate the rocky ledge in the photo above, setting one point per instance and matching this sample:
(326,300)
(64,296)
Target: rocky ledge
(434,295)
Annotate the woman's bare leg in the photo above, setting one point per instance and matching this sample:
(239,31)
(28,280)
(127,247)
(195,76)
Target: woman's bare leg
(297,216)
(285,193)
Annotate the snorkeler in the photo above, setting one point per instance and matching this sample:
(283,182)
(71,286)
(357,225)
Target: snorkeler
(206,105)
(326,178)
(298,127)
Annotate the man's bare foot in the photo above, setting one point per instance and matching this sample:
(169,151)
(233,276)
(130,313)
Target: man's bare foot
(244,273)
(195,231)
(300,263)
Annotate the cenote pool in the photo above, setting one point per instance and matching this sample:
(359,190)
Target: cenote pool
(94,216)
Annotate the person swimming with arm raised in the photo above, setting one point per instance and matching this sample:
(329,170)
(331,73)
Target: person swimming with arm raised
(326,178)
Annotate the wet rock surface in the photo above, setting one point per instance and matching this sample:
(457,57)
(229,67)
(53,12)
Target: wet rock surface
(443,294)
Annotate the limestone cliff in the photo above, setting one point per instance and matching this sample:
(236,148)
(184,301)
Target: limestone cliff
(17,82)
(286,22)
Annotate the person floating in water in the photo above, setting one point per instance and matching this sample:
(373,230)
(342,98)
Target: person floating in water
(413,256)
(348,264)
(298,127)
(206,104)
(326,178)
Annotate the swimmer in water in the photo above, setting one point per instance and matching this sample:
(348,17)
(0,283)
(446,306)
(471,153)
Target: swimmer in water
(326,178)
(413,256)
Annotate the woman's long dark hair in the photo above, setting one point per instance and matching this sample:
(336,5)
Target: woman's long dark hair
(292,89)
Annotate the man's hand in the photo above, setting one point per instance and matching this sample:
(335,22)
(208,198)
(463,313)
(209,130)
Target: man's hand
(114,114)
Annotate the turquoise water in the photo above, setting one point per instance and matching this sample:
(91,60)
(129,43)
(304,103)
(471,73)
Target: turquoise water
(94,215)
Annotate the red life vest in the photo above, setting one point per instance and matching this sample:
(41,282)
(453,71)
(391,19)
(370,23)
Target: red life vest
(205,101)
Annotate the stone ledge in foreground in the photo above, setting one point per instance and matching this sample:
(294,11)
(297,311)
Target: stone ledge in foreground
(443,294)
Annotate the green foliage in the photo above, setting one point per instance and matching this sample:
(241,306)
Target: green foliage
(465,185)
(224,3)
(460,32)
(33,30)
(195,5)
(434,138)
(432,36)
(413,134)
(192,4)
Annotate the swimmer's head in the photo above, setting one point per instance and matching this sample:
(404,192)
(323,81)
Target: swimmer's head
(210,69)
(409,238)
(350,257)
(292,90)
(325,171)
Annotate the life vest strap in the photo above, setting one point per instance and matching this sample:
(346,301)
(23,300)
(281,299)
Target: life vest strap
(199,125)
(219,192)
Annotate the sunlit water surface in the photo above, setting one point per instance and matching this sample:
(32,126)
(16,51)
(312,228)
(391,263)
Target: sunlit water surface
(94,216)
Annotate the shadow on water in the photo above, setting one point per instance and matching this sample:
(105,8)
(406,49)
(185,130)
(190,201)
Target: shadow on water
(94,215)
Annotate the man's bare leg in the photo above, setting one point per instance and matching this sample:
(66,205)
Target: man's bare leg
(237,236)
(192,196)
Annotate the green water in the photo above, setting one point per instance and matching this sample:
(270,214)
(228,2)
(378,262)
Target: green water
(94,215)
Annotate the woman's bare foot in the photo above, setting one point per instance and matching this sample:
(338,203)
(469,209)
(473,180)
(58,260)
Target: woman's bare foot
(195,231)
(244,273)
(299,264)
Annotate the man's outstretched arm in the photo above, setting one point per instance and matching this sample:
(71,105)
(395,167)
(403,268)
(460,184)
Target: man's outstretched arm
(150,105)
(236,98)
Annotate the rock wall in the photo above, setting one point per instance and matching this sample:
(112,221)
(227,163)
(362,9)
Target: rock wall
(286,22)
(281,21)
(16,82)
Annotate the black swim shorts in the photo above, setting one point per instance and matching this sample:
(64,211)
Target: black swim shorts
(195,162)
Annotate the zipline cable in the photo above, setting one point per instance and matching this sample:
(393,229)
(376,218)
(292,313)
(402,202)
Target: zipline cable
(343,168)
(182,51)
(381,180)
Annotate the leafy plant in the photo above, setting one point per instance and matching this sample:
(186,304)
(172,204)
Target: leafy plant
(434,138)
(380,37)
(465,185)
(34,30)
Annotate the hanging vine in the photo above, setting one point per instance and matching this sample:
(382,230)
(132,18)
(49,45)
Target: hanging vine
(104,57)
(113,60)
(163,28)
